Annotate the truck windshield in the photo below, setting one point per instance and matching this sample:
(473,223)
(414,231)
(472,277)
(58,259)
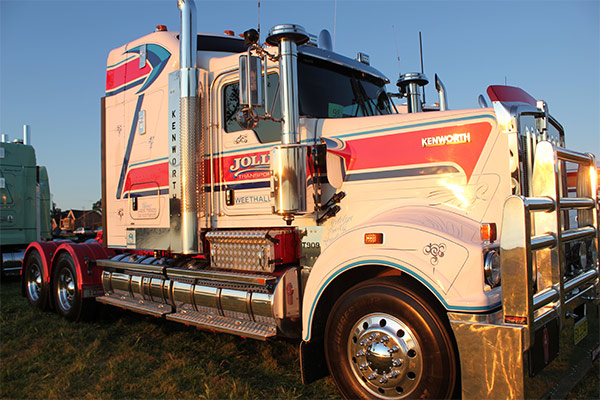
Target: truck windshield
(327,90)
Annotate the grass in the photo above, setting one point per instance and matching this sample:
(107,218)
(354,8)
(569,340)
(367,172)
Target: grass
(125,355)
(122,355)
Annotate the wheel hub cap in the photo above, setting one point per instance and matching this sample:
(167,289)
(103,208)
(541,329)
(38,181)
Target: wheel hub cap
(34,282)
(385,356)
(66,289)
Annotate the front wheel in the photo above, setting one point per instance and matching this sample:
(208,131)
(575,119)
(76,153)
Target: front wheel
(385,341)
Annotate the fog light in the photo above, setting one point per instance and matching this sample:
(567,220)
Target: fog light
(582,255)
(491,268)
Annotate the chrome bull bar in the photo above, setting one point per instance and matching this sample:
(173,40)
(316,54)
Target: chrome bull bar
(534,289)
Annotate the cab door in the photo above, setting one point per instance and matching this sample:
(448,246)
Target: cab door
(242,173)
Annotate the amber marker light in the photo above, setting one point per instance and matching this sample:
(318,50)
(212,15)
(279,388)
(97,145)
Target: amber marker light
(488,232)
(373,238)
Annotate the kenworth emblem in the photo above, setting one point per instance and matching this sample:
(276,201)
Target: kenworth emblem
(456,138)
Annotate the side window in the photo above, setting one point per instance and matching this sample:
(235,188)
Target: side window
(267,131)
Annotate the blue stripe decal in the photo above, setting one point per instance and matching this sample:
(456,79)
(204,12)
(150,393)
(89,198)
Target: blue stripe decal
(239,186)
(148,162)
(126,87)
(401,173)
(138,107)
(403,269)
(121,62)
(420,125)
(394,128)
(146,193)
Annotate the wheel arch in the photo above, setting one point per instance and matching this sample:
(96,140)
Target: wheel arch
(313,363)
(357,272)
(83,256)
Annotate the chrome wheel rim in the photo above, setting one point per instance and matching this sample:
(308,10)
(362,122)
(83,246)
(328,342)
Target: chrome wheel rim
(384,354)
(34,282)
(66,289)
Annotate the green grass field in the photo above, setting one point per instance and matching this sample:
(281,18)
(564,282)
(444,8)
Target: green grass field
(124,355)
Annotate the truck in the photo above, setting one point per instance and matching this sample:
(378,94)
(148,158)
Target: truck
(274,190)
(24,201)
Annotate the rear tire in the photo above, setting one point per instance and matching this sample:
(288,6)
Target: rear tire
(36,289)
(383,340)
(68,298)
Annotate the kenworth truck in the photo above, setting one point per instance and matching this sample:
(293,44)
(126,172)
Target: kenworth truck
(275,190)
(24,201)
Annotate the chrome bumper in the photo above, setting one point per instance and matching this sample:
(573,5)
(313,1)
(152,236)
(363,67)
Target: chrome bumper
(496,364)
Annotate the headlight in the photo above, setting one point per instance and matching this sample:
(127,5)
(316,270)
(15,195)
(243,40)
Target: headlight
(491,268)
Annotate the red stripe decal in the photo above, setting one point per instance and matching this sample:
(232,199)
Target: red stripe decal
(459,144)
(126,73)
(146,177)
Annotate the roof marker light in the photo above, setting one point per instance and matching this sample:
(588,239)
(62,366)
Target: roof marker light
(160,28)
(229,32)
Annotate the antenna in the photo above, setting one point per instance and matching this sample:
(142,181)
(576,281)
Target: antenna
(422,72)
(396,43)
(334,21)
(259,22)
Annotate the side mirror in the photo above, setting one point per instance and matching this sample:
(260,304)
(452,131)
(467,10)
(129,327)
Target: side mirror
(251,81)
(247,119)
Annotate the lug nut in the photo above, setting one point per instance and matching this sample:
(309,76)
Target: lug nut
(393,350)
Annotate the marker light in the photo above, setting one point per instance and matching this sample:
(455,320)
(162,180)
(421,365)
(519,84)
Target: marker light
(489,233)
(229,33)
(160,28)
(373,238)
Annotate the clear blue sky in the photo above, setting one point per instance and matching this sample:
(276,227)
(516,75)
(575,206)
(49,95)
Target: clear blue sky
(53,57)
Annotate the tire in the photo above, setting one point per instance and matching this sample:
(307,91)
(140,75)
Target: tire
(385,341)
(68,299)
(36,289)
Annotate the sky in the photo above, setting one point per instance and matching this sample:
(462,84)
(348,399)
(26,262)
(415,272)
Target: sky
(53,59)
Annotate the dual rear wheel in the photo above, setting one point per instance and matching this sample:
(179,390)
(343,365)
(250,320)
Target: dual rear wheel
(63,289)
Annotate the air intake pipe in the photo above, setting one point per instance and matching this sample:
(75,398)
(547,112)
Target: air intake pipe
(409,85)
(190,125)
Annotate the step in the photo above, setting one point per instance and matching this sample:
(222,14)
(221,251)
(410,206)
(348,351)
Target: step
(139,306)
(219,323)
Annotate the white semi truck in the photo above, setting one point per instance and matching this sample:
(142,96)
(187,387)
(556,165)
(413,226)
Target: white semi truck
(274,190)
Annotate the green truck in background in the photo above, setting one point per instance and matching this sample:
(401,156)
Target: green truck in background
(24,202)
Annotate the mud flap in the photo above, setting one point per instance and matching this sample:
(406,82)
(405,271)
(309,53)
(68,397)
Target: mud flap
(313,365)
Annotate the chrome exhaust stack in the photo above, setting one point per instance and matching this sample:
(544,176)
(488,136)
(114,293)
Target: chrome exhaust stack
(190,125)
(288,161)
(441,89)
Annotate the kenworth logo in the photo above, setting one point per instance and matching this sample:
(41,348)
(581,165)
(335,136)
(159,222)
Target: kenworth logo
(456,138)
